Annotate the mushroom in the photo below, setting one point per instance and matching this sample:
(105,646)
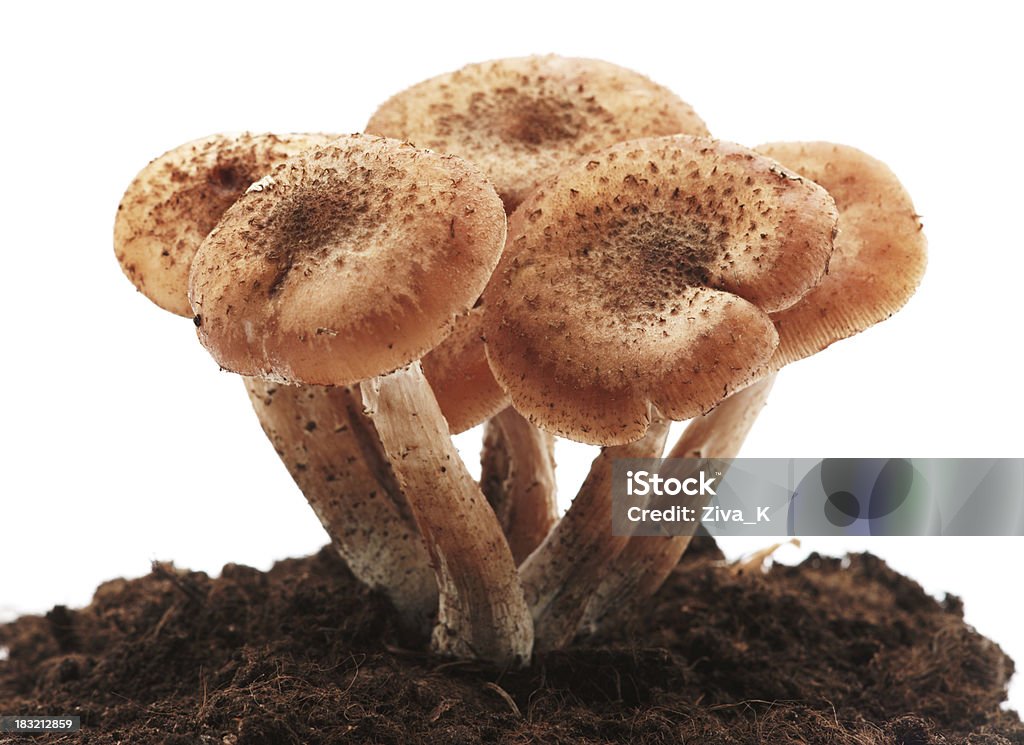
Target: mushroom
(520,120)
(880,255)
(344,266)
(644,275)
(348,260)
(650,274)
(639,280)
(482,612)
(320,434)
(176,200)
(879,259)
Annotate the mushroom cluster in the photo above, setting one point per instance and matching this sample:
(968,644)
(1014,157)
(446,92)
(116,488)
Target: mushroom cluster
(550,246)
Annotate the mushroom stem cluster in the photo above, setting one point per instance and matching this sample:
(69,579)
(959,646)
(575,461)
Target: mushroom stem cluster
(561,575)
(517,475)
(482,610)
(644,562)
(547,246)
(334,452)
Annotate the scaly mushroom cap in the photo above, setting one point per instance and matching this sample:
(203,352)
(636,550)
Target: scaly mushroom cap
(176,200)
(522,119)
(880,252)
(460,377)
(644,274)
(348,261)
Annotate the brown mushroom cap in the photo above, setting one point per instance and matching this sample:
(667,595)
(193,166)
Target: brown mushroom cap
(644,274)
(522,119)
(176,200)
(880,252)
(348,261)
(460,376)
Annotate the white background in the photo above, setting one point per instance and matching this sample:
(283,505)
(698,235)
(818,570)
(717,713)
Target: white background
(122,443)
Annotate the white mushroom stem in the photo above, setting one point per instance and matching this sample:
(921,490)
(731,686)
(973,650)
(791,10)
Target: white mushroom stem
(517,475)
(645,562)
(332,451)
(482,612)
(561,575)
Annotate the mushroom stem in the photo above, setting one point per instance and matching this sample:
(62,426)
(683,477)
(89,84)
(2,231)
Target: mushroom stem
(518,478)
(332,451)
(645,562)
(481,610)
(561,575)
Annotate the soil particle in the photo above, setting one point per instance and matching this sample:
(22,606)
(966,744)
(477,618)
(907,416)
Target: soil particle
(830,651)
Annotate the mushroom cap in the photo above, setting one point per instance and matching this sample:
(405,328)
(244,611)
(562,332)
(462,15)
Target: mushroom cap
(644,274)
(176,200)
(462,381)
(350,260)
(522,119)
(880,252)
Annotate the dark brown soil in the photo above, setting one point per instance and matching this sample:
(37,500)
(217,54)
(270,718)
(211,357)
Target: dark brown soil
(830,651)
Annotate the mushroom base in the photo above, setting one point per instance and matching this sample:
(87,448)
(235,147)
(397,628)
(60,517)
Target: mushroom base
(303,654)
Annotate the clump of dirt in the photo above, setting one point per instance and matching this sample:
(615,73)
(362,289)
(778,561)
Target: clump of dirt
(830,651)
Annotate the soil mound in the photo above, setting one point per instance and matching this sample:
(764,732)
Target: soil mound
(831,651)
